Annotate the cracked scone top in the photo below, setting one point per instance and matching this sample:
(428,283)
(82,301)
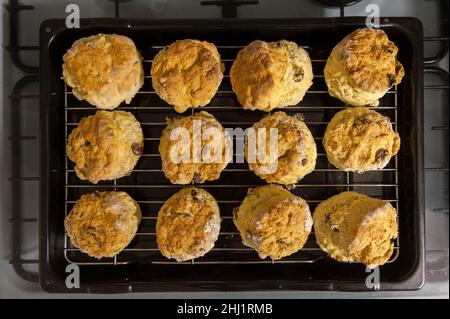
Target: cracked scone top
(207,138)
(296,150)
(355,227)
(188,224)
(104,69)
(268,75)
(102,224)
(359,139)
(187,73)
(363,67)
(105,146)
(273,221)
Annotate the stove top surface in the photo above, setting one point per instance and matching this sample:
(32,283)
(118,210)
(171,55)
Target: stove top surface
(20,88)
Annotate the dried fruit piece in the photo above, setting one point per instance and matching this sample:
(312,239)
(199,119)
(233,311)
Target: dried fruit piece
(197,177)
(298,76)
(136,149)
(299,116)
(381,154)
(391,80)
(360,120)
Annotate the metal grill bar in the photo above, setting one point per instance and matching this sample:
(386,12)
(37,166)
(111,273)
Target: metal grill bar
(17,219)
(132,254)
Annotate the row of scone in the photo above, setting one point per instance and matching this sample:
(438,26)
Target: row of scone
(107,146)
(106,70)
(349,226)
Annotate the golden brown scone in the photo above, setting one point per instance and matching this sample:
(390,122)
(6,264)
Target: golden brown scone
(355,227)
(102,224)
(273,221)
(104,69)
(187,73)
(188,224)
(213,143)
(106,145)
(359,139)
(363,67)
(297,153)
(268,75)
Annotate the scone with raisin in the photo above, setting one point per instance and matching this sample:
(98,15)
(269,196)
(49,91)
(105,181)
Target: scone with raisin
(295,153)
(187,73)
(273,221)
(268,75)
(359,139)
(355,227)
(102,224)
(188,224)
(363,67)
(194,148)
(105,146)
(104,69)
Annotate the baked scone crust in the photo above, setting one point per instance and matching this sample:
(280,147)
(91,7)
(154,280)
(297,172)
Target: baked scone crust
(363,67)
(273,221)
(268,75)
(359,139)
(106,145)
(355,227)
(297,152)
(102,224)
(104,69)
(187,73)
(195,171)
(188,224)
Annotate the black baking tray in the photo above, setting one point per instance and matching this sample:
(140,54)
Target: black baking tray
(140,274)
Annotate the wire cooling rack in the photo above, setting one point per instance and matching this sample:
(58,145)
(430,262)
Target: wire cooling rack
(148,186)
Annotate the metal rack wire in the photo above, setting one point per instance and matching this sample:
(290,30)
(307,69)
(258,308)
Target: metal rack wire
(228,248)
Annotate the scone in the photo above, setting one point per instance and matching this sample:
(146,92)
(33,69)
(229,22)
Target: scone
(359,139)
(102,224)
(355,227)
(363,67)
(194,148)
(268,75)
(104,69)
(187,73)
(296,149)
(105,146)
(273,221)
(188,224)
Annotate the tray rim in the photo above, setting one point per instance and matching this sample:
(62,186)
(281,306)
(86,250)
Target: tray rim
(50,281)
